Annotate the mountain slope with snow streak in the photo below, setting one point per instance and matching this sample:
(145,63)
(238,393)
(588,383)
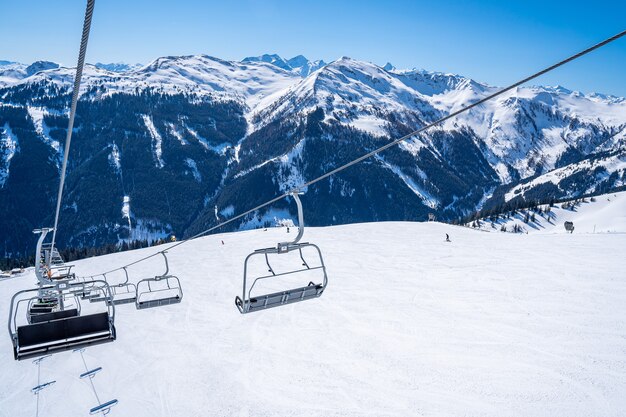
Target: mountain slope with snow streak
(488,325)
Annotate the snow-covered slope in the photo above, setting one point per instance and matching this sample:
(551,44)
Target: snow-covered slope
(600,214)
(584,177)
(491,324)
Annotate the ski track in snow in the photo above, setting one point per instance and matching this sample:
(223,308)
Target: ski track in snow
(491,324)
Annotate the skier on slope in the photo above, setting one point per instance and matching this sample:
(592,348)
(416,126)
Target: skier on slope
(448,238)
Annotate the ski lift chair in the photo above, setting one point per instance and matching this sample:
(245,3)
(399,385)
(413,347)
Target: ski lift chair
(124,292)
(159,291)
(96,295)
(248,303)
(87,290)
(60,329)
(63,272)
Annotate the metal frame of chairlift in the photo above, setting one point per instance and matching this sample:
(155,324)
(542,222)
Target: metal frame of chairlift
(141,302)
(122,290)
(53,260)
(248,303)
(60,330)
(119,292)
(56,327)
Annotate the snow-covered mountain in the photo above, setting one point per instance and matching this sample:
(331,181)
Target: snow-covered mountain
(176,138)
(12,72)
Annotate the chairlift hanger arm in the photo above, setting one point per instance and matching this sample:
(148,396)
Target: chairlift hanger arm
(286,245)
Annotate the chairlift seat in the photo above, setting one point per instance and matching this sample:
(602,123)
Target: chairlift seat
(125,300)
(62,334)
(170,292)
(99,297)
(123,294)
(40,318)
(279,298)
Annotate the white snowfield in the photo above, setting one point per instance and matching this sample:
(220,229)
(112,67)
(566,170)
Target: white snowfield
(602,214)
(492,324)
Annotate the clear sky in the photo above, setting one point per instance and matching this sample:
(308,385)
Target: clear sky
(496,42)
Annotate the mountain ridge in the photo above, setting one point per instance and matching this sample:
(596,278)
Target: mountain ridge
(201,132)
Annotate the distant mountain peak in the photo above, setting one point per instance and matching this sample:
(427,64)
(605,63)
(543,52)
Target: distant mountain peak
(38,66)
(299,64)
(389,67)
(117,66)
(273,59)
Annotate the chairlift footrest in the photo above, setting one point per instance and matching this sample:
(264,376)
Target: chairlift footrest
(158,302)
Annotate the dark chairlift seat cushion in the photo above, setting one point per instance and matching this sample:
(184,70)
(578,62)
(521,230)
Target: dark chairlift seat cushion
(63,334)
(40,310)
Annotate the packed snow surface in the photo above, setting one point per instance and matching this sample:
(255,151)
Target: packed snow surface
(490,324)
(601,214)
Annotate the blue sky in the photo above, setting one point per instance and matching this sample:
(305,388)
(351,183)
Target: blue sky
(491,41)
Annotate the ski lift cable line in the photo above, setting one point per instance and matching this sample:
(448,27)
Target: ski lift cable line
(68,139)
(386,146)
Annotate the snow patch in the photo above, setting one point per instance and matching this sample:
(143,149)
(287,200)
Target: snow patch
(219,149)
(272,217)
(9,146)
(174,131)
(227,211)
(126,212)
(115,158)
(428,199)
(194,169)
(43,131)
(157,141)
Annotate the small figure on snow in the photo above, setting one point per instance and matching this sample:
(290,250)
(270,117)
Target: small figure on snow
(448,238)
(287,229)
(222,242)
